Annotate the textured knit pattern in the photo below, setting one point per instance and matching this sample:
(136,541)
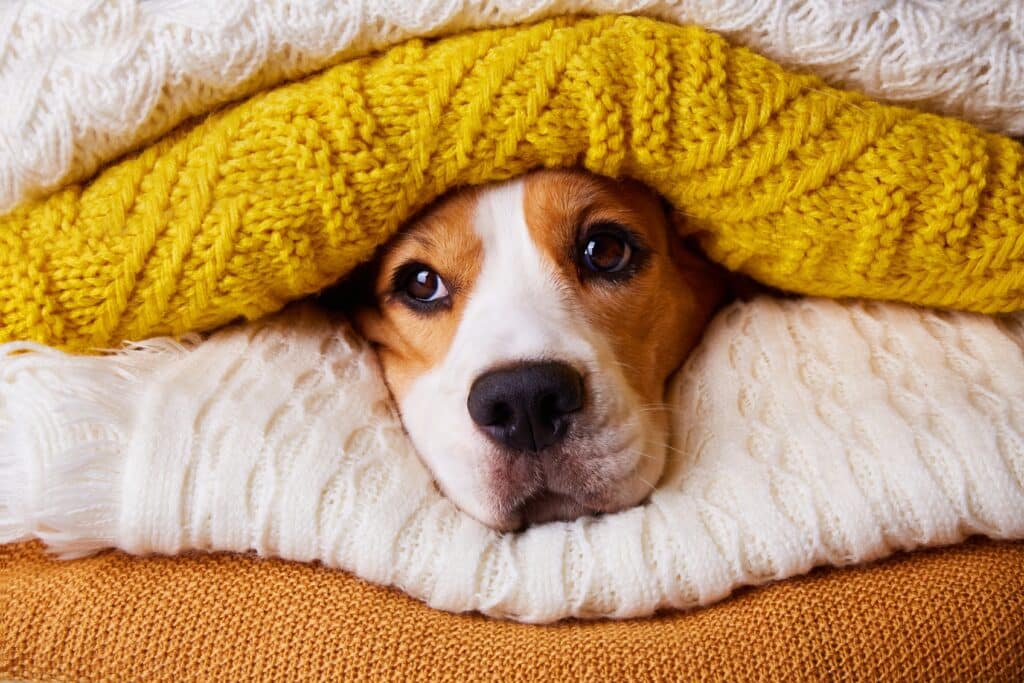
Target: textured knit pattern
(806,433)
(953,615)
(804,187)
(86,81)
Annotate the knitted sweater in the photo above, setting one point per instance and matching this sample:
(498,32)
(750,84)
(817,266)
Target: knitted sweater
(954,616)
(88,81)
(802,186)
(805,433)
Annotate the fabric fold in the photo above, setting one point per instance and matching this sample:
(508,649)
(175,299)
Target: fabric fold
(92,81)
(903,430)
(801,186)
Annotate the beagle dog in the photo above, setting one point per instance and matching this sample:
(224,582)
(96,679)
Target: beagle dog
(527,331)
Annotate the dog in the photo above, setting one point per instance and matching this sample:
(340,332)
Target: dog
(528,330)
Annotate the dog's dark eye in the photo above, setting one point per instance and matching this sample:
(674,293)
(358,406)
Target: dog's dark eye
(606,249)
(419,287)
(606,253)
(425,285)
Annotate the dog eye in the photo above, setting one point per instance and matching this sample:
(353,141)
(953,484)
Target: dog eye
(606,251)
(425,285)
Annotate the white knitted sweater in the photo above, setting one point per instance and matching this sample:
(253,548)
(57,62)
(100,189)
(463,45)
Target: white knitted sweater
(806,433)
(84,81)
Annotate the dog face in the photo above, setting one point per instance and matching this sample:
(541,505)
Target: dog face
(527,331)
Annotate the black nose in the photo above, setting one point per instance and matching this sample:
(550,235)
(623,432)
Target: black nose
(526,407)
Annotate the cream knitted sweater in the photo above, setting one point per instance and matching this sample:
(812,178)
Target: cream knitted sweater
(83,82)
(806,433)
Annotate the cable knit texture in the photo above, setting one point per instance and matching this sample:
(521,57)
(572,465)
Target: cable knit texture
(801,186)
(86,81)
(806,433)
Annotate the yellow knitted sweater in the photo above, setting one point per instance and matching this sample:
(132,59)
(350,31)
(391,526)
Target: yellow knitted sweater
(800,185)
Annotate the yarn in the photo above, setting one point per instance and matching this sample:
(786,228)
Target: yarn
(799,185)
(88,81)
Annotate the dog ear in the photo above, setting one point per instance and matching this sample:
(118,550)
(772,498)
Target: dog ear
(708,279)
(355,290)
(690,257)
(355,296)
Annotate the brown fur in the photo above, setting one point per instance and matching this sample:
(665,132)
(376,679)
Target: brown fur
(654,320)
(443,238)
(650,320)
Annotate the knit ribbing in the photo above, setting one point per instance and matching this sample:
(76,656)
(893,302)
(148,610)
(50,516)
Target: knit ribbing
(807,188)
(88,81)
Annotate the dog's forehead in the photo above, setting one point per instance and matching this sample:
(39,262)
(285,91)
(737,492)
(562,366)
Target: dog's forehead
(545,207)
(548,207)
(500,224)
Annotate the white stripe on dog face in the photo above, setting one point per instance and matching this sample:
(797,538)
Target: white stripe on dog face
(517,310)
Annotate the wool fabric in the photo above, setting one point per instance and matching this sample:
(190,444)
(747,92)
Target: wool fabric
(805,433)
(88,81)
(950,615)
(799,185)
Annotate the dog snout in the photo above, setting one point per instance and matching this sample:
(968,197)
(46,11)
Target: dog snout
(527,407)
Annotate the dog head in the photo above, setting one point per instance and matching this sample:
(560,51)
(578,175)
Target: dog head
(527,331)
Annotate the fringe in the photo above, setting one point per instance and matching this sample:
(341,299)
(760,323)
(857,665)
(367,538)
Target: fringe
(65,422)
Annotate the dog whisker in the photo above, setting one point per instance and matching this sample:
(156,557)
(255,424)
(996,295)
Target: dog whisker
(628,366)
(653,409)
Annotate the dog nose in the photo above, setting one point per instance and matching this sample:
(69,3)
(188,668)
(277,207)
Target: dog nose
(526,407)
